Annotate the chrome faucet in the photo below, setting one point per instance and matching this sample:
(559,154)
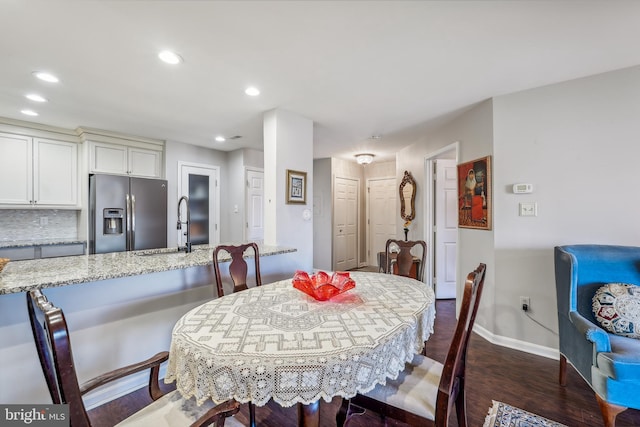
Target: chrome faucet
(187,245)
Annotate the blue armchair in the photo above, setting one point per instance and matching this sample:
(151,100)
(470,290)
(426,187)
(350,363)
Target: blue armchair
(609,363)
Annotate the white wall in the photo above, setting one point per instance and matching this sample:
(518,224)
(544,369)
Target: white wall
(288,144)
(473,130)
(578,143)
(322,214)
(253,158)
(177,151)
(234,208)
(238,162)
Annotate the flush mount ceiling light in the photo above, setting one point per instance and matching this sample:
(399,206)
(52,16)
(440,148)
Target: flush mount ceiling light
(35,97)
(29,112)
(364,159)
(220,138)
(252,91)
(47,77)
(170,57)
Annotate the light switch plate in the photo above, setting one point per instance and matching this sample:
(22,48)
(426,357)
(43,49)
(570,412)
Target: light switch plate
(529,209)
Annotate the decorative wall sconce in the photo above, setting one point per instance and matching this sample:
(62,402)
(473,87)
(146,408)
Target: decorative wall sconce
(364,159)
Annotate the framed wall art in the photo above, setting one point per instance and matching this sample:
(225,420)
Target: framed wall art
(475,194)
(296,187)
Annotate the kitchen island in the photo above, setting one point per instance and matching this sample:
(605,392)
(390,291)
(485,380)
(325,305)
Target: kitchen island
(22,276)
(120,308)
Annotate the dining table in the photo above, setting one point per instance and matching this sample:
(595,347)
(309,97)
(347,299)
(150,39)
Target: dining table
(275,342)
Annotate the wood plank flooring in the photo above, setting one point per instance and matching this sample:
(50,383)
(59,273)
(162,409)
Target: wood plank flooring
(493,372)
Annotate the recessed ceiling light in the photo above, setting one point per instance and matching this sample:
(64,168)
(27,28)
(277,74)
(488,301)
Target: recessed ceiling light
(170,57)
(35,97)
(220,138)
(47,77)
(252,91)
(29,112)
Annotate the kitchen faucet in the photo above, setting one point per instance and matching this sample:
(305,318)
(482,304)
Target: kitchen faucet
(187,245)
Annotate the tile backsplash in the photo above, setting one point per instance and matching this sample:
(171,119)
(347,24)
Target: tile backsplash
(30,224)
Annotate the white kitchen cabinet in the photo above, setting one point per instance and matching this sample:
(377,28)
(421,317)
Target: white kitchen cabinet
(124,160)
(38,172)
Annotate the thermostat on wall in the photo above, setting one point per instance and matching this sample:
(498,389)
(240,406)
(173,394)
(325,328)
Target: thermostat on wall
(522,188)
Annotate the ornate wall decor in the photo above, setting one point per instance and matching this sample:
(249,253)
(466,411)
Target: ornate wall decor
(474,194)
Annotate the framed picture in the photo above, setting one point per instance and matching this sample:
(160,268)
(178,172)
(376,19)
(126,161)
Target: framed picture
(475,194)
(296,187)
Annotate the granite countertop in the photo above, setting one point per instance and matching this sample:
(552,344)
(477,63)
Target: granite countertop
(22,276)
(38,242)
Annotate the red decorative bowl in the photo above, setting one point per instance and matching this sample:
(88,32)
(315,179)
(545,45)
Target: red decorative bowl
(322,287)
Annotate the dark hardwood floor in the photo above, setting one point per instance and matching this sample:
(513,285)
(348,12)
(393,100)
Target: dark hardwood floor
(493,372)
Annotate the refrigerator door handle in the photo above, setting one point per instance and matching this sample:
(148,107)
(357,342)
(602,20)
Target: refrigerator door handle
(133,223)
(128,219)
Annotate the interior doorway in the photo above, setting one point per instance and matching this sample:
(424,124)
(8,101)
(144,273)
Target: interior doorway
(346,200)
(254,223)
(442,220)
(199,182)
(381,215)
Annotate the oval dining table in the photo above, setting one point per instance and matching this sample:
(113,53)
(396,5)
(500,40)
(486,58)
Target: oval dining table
(274,342)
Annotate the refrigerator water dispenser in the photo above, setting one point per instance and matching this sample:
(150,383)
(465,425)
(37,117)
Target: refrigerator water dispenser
(113,220)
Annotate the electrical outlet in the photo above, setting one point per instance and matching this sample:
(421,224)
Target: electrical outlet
(525,303)
(44,220)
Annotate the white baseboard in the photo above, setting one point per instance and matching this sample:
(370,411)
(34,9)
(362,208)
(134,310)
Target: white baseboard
(119,388)
(527,347)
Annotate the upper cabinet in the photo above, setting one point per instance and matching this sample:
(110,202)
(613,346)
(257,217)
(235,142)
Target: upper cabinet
(38,172)
(124,160)
(119,154)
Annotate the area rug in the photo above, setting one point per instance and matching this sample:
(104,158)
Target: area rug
(503,415)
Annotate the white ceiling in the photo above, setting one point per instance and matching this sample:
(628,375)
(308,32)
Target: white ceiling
(356,68)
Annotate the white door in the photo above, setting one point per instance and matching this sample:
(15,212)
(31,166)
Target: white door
(345,220)
(446,228)
(200,184)
(255,206)
(382,198)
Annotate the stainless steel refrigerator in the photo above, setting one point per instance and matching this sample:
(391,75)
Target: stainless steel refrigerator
(126,213)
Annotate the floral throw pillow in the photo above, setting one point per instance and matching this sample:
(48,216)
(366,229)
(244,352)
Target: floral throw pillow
(617,309)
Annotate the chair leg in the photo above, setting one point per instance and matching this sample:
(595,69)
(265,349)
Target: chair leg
(343,413)
(609,411)
(346,411)
(562,377)
(252,414)
(461,407)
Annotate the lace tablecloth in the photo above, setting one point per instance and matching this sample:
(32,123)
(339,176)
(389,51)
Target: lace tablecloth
(275,342)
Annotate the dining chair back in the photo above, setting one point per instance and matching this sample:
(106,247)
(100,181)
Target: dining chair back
(238,268)
(51,337)
(404,259)
(426,391)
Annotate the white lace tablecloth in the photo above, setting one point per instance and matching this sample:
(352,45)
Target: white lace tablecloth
(275,342)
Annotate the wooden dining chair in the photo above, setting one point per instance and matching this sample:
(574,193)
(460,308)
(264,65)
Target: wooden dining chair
(404,259)
(53,344)
(426,391)
(238,267)
(238,270)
